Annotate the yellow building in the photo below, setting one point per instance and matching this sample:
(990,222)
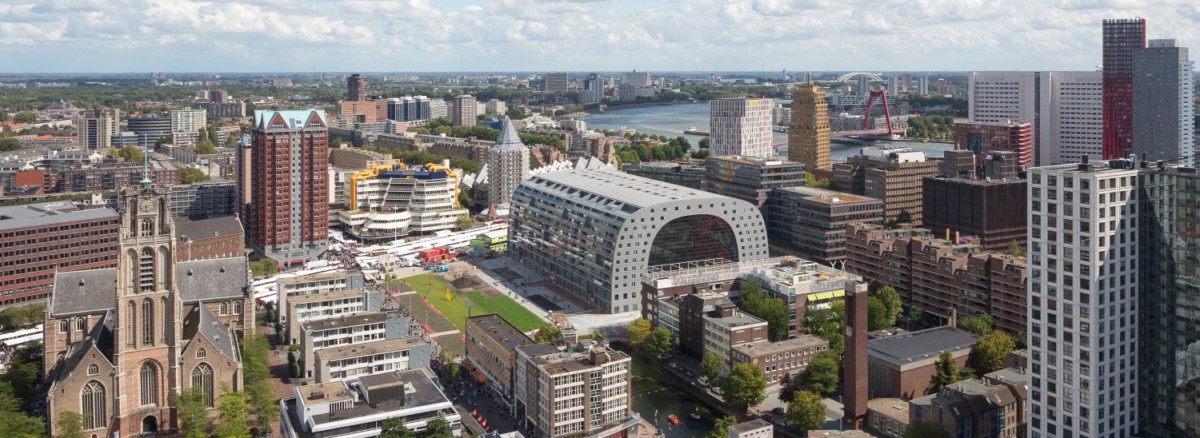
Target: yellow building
(808,138)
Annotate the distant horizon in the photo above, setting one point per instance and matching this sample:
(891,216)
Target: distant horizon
(422,36)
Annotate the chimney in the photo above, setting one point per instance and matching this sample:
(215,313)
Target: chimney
(953,321)
(854,390)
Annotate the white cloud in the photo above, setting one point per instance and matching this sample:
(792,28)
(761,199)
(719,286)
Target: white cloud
(577,35)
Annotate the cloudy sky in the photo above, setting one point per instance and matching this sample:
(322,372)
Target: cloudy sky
(573,35)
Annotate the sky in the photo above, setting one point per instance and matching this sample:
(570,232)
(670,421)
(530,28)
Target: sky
(77,36)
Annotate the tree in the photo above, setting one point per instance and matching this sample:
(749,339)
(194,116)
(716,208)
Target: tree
(548,333)
(904,217)
(754,300)
(257,375)
(24,117)
(877,315)
(891,300)
(19,425)
(700,154)
(464,199)
(823,373)
(193,414)
(129,153)
(703,143)
(712,366)
(1015,250)
(395,428)
(946,372)
(925,429)
(293,365)
(915,315)
(806,411)
(264,267)
(979,325)
(989,352)
(828,324)
(206,146)
(438,428)
(9,144)
(745,386)
(18,316)
(811,180)
(659,343)
(235,421)
(70,424)
(464,222)
(639,331)
(192,175)
(721,427)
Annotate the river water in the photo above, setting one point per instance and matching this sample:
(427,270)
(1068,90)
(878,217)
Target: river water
(672,120)
(652,396)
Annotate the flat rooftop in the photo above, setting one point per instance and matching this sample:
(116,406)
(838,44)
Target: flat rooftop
(759,348)
(49,213)
(496,327)
(369,348)
(893,408)
(419,392)
(347,321)
(909,347)
(188,229)
(827,196)
(325,392)
(751,425)
(325,296)
(567,362)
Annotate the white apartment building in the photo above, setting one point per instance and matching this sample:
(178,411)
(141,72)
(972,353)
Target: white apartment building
(740,126)
(574,394)
(351,361)
(1065,109)
(719,331)
(186,125)
(358,407)
(313,284)
(328,305)
(353,329)
(1083,313)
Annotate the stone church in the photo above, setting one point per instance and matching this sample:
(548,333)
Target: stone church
(121,342)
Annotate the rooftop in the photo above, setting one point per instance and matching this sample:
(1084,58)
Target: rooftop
(559,362)
(188,229)
(496,327)
(368,348)
(325,296)
(893,408)
(765,162)
(325,392)
(419,391)
(748,426)
(632,190)
(295,119)
(759,348)
(49,213)
(909,347)
(1008,375)
(827,196)
(198,280)
(347,321)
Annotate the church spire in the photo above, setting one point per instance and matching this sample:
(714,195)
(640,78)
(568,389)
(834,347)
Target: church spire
(146,167)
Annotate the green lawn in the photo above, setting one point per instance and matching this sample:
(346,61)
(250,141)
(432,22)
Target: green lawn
(433,288)
(512,311)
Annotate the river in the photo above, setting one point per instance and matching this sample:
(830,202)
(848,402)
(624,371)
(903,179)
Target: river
(651,396)
(672,120)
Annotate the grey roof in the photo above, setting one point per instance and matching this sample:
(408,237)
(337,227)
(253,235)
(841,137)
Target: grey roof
(509,139)
(622,187)
(751,425)
(424,394)
(198,280)
(49,213)
(500,330)
(217,333)
(188,229)
(101,339)
(909,347)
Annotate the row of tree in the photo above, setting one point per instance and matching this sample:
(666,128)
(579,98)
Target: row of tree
(938,127)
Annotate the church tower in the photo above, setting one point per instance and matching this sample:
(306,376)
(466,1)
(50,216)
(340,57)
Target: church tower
(147,336)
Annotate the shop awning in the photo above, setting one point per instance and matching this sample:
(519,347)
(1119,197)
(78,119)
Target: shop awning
(479,377)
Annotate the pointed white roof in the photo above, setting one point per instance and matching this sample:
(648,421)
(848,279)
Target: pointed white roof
(509,139)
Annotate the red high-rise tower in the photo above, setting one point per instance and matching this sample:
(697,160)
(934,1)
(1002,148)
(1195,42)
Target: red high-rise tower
(1120,38)
(290,184)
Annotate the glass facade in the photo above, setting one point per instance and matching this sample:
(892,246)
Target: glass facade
(690,238)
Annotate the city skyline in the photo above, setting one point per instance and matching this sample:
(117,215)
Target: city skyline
(666,35)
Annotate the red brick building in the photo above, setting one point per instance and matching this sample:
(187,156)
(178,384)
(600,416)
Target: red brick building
(37,240)
(984,138)
(214,238)
(290,184)
(777,359)
(901,365)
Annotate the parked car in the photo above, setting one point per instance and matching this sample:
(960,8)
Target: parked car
(703,381)
(778,411)
(717,389)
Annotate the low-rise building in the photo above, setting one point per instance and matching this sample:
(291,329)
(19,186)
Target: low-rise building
(206,199)
(780,358)
(888,416)
(346,330)
(112,176)
(709,322)
(491,352)
(811,222)
(803,285)
(358,407)
(973,407)
(285,288)
(327,305)
(756,428)
(38,240)
(901,365)
(361,359)
(214,238)
(583,392)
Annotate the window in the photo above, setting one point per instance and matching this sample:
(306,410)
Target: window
(237,308)
(147,322)
(92,403)
(146,228)
(93,370)
(149,384)
(224,309)
(64,326)
(146,270)
(201,354)
(81,324)
(202,377)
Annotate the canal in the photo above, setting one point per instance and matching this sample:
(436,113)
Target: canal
(652,396)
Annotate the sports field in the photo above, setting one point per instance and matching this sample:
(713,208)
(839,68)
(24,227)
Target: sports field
(433,289)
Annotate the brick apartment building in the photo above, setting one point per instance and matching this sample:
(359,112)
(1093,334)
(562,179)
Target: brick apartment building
(937,275)
(983,138)
(777,359)
(901,365)
(491,351)
(290,184)
(112,176)
(993,405)
(39,240)
(213,238)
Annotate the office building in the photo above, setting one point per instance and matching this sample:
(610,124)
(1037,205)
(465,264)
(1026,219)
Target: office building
(687,175)
(360,406)
(492,344)
(593,90)
(811,222)
(357,112)
(583,392)
(319,284)
(991,208)
(901,365)
(802,285)
(740,126)
(205,239)
(349,329)
(204,200)
(1064,108)
(409,108)
(923,85)
(1163,103)
(750,179)
(756,428)
(893,86)
(438,108)
(356,87)
(366,358)
(1121,38)
(496,107)
(121,343)
(808,137)
(639,79)
(463,111)
(777,359)
(711,323)
(97,128)
(983,138)
(39,240)
(891,174)
(186,125)
(941,277)
(386,203)
(150,128)
(507,167)
(556,82)
(289,184)
(594,232)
